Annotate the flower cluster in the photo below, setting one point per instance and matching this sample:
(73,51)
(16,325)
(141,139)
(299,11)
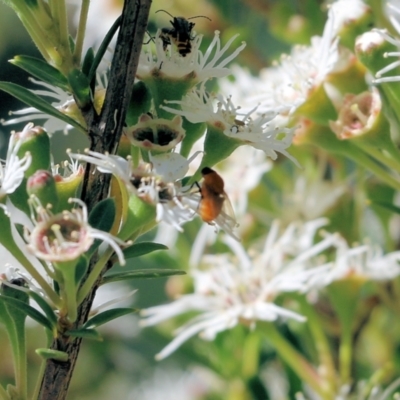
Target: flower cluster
(307,150)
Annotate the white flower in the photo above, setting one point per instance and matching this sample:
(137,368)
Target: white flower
(347,11)
(240,289)
(13,168)
(287,85)
(67,235)
(366,262)
(198,65)
(265,132)
(157,183)
(71,171)
(363,391)
(171,384)
(311,196)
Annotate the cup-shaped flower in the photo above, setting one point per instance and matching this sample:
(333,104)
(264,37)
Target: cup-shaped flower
(68,181)
(66,236)
(158,134)
(358,115)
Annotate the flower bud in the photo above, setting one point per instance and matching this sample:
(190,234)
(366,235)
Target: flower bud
(36,141)
(371,48)
(42,185)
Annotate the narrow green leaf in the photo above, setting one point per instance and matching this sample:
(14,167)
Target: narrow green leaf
(80,87)
(81,268)
(88,61)
(102,218)
(103,48)
(40,69)
(28,310)
(49,354)
(71,43)
(103,215)
(45,306)
(107,316)
(142,274)
(86,334)
(35,101)
(142,248)
(387,206)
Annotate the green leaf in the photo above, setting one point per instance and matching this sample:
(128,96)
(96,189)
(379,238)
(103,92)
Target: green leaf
(49,354)
(142,248)
(40,69)
(387,206)
(35,101)
(86,334)
(28,310)
(107,316)
(71,43)
(102,218)
(103,48)
(88,61)
(142,274)
(81,268)
(103,215)
(45,306)
(81,87)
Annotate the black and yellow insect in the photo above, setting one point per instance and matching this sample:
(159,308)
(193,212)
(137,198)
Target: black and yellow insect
(180,35)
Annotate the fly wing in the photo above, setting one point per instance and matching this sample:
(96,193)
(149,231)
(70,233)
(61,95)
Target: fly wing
(227,208)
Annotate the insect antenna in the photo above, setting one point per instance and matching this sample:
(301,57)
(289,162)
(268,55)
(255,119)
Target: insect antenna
(199,16)
(165,12)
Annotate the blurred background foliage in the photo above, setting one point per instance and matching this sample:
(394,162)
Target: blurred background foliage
(123,366)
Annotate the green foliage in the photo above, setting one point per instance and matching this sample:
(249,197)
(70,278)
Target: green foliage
(37,102)
(103,215)
(142,248)
(103,48)
(80,86)
(107,316)
(141,274)
(41,70)
(28,310)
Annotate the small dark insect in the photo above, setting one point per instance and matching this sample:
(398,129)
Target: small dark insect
(214,200)
(180,34)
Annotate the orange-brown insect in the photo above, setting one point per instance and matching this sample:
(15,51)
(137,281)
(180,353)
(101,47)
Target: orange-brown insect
(213,197)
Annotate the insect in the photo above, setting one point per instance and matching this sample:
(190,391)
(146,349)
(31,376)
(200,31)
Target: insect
(180,34)
(214,200)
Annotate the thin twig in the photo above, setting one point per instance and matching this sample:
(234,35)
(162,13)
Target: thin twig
(105,131)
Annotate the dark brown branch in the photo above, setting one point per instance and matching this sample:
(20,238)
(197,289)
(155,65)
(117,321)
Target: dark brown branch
(105,131)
